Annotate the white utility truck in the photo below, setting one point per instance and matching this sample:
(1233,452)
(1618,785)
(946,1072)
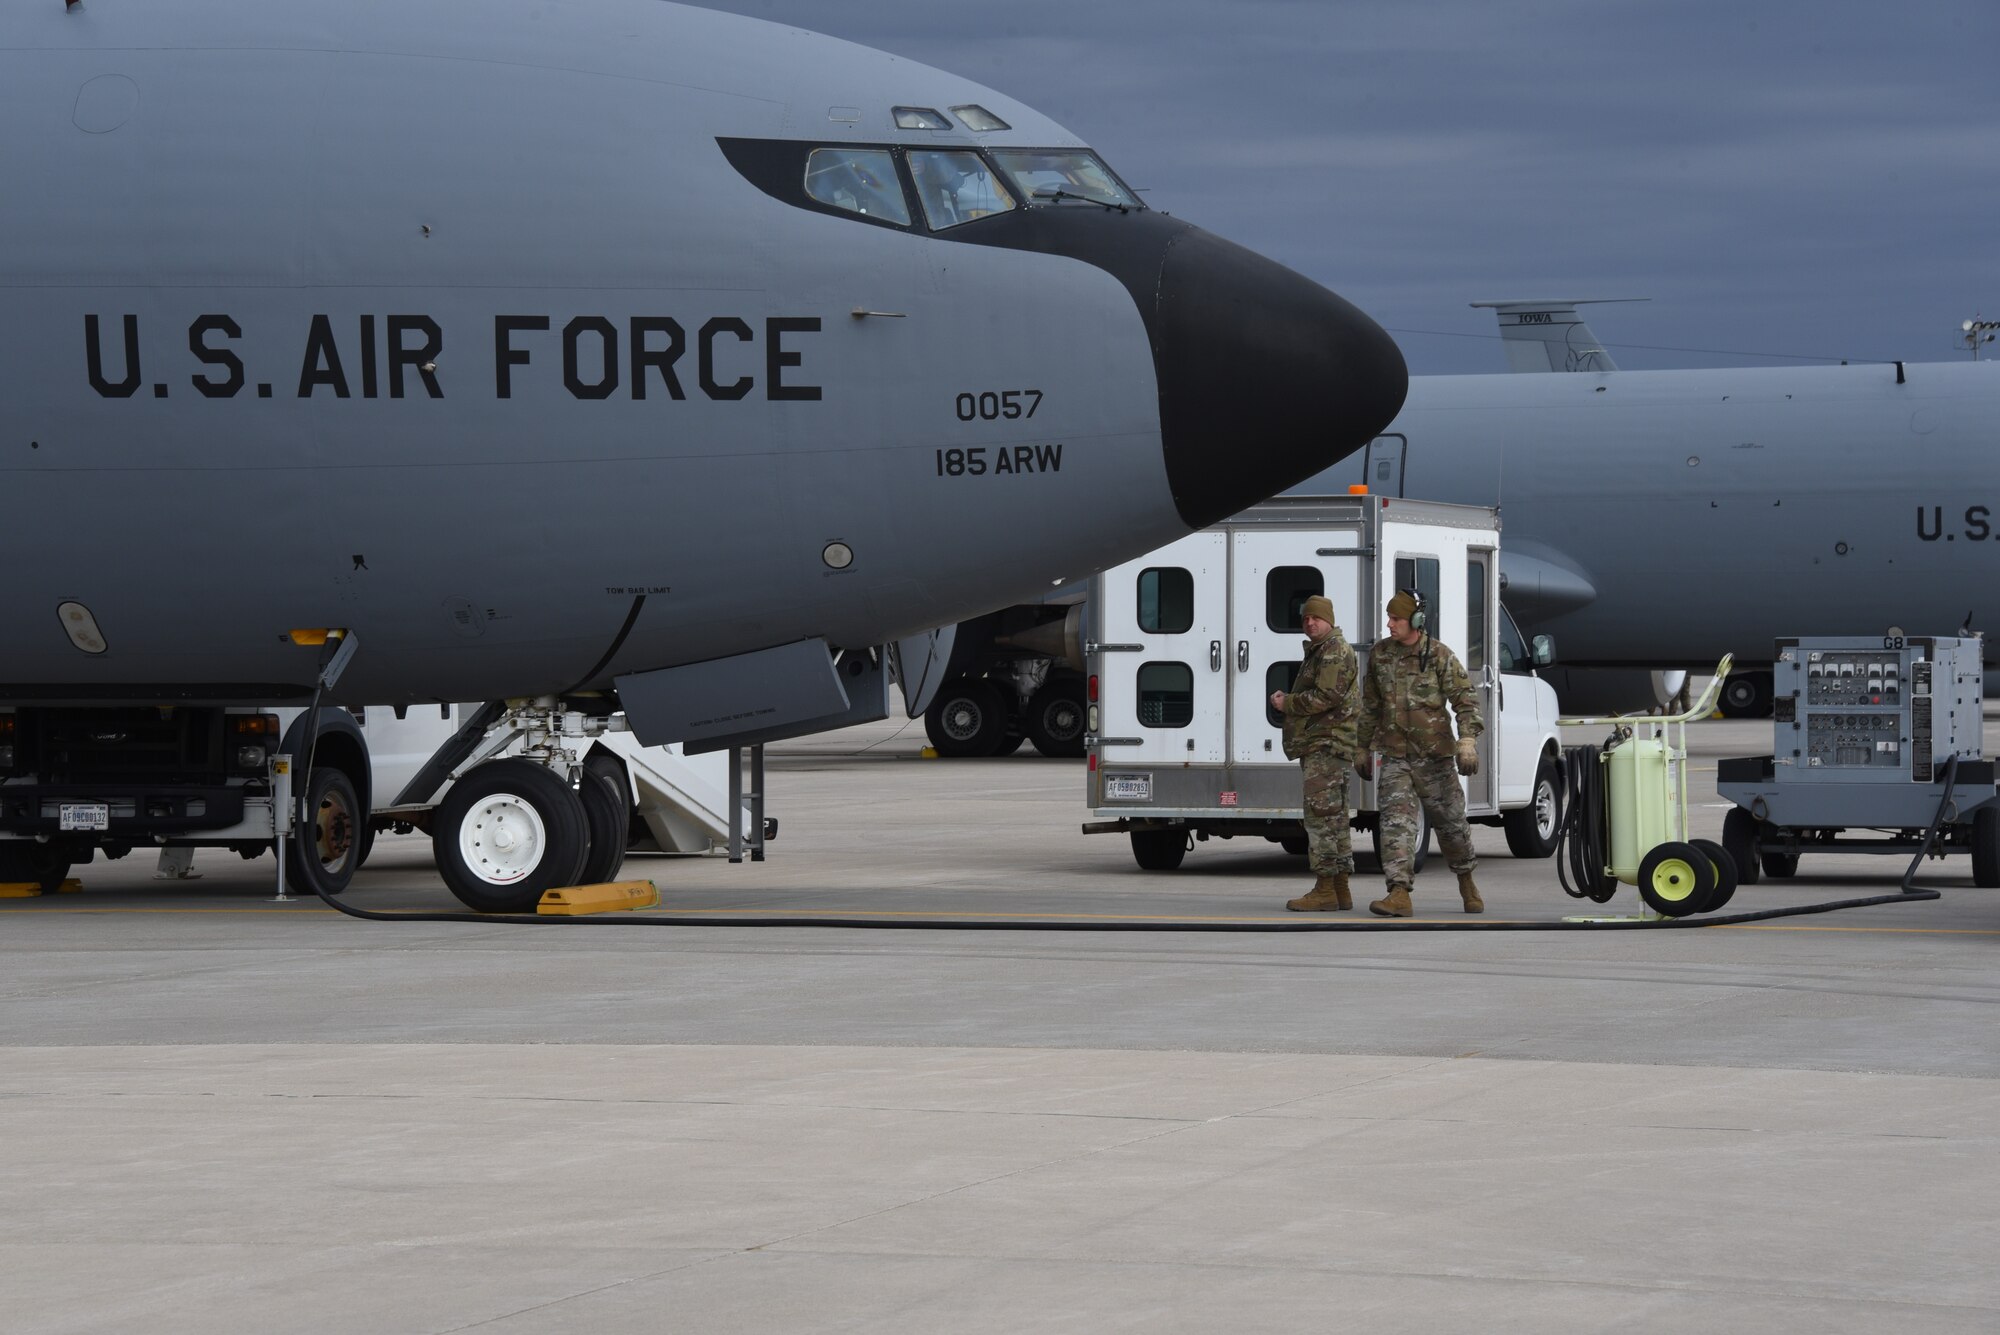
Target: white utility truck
(1186,645)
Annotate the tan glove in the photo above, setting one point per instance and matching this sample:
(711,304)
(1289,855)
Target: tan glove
(1468,755)
(1364,765)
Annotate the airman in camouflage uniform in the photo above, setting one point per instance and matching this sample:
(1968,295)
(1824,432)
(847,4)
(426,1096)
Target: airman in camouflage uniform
(1319,715)
(1410,680)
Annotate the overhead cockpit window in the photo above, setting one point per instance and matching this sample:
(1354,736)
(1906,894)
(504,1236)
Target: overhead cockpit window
(861,180)
(1046,176)
(956,187)
(978,119)
(921,118)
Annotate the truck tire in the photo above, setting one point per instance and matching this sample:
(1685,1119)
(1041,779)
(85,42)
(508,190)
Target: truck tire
(967,719)
(322,854)
(1739,838)
(26,862)
(607,819)
(1535,829)
(1056,718)
(1778,866)
(1986,847)
(506,833)
(1159,850)
(1423,841)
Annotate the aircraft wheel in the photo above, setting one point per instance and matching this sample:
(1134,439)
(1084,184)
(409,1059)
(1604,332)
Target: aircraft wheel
(1056,718)
(1676,879)
(1778,866)
(607,818)
(1747,695)
(1009,744)
(1534,830)
(507,832)
(1423,841)
(967,718)
(1725,872)
(1159,850)
(321,857)
(1739,837)
(1986,847)
(26,862)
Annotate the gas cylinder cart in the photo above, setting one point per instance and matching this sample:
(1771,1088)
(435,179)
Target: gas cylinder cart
(1876,748)
(1627,817)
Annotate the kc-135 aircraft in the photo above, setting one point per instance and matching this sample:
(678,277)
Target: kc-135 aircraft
(589,355)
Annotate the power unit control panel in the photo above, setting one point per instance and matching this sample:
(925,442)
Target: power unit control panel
(1883,707)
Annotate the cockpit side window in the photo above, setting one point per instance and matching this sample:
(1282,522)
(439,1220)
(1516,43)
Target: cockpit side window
(1046,176)
(860,180)
(955,187)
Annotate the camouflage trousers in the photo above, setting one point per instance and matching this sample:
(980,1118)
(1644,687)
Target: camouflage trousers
(1326,820)
(1403,784)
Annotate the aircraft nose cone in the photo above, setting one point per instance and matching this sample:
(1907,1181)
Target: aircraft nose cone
(1265,376)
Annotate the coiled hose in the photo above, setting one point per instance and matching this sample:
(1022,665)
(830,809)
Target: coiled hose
(1581,847)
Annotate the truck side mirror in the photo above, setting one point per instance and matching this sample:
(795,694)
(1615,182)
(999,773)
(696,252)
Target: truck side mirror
(1543,650)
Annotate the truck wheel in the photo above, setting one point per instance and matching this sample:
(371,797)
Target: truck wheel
(26,862)
(1533,831)
(1986,847)
(1739,837)
(1747,695)
(607,820)
(1159,850)
(321,857)
(1676,879)
(967,718)
(1298,845)
(1725,872)
(1056,718)
(507,832)
(1423,841)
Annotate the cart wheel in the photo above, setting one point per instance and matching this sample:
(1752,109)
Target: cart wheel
(1778,866)
(1726,878)
(1986,847)
(1676,879)
(1739,836)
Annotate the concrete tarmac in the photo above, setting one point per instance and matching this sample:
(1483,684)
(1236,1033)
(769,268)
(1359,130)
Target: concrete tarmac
(223,1113)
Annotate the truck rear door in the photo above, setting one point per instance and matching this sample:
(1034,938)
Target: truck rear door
(1161,655)
(1273,572)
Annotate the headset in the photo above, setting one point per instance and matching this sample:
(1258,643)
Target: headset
(1418,619)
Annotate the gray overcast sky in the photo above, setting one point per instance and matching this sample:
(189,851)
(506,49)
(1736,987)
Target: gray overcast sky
(1814,177)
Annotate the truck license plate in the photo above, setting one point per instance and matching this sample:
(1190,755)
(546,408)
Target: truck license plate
(1128,787)
(84,816)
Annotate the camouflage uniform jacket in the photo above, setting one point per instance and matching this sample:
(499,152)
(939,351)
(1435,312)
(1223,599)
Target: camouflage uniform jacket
(1325,699)
(1404,697)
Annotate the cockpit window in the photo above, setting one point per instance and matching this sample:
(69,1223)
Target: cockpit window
(920,118)
(861,180)
(1045,176)
(955,187)
(978,119)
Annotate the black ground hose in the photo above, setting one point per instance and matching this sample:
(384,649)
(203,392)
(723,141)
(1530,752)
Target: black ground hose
(1937,823)
(1580,843)
(992,925)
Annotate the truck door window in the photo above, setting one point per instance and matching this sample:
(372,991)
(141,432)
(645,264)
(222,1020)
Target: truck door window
(1286,589)
(1166,600)
(1513,649)
(1166,695)
(1420,574)
(1475,615)
(1278,677)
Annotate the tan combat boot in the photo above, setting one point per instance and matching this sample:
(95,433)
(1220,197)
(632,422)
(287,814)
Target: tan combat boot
(1328,894)
(1395,904)
(1469,892)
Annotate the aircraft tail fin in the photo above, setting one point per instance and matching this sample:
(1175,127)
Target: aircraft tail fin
(1549,335)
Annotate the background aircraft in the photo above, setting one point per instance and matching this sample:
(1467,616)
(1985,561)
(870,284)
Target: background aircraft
(549,351)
